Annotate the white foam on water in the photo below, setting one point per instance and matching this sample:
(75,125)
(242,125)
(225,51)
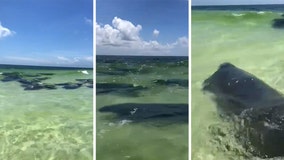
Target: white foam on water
(127,157)
(238,14)
(85,72)
(134,110)
(111,124)
(123,122)
(260,12)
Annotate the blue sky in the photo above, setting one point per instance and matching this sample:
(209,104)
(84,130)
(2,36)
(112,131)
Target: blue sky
(235,2)
(142,27)
(46,32)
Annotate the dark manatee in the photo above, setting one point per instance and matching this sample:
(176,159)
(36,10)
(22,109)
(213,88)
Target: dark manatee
(11,76)
(27,81)
(30,81)
(123,71)
(258,107)
(240,89)
(49,86)
(170,82)
(119,88)
(35,81)
(37,86)
(14,76)
(33,86)
(278,23)
(85,81)
(175,113)
(70,85)
(113,73)
(46,74)
(75,85)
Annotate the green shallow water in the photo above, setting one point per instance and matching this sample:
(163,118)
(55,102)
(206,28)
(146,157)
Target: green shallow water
(46,124)
(117,140)
(245,39)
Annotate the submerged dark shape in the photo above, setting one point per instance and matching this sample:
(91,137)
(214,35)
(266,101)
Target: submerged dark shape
(22,77)
(74,85)
(46,74)
(176,113)
(239,93)
(34,81)
(83,81)
(169,82)
(278,23)
(11,76)
(89,85)
(28,81)
(123,71)
(119,88)
(32,86)
(70,85)
(115,73)
(37,86)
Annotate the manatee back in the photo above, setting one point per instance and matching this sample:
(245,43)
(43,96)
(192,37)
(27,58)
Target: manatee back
(232,85)
(139,112)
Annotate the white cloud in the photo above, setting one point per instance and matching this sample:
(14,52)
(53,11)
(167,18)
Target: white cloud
(119,33)
(182,41)
(4,32)
(63,58)
(128,31)
(73,60)
(88,21)
(25,60)
(156,33)
(90,58)
(107,35)
(123,38)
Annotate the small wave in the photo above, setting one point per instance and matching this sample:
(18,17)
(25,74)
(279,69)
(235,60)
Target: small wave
(84,72)
(260,12)
(123,122)
(238,14)
(119,123)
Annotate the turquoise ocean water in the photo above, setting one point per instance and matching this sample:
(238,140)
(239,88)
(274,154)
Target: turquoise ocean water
(245,37)
(127,139)
(54,124)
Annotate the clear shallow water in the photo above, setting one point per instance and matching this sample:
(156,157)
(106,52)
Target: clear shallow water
(245,39)
(123,140)
(46,124)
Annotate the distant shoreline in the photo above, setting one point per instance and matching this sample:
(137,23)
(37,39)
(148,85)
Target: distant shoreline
(242,7)
(135,56)
(16,66)
(236,5)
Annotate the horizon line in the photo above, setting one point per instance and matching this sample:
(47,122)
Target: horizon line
(261,4)
(141,55)
(44,66)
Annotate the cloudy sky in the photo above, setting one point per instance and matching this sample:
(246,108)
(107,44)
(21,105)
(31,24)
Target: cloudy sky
(46,32)
(235,2)
(142,27)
